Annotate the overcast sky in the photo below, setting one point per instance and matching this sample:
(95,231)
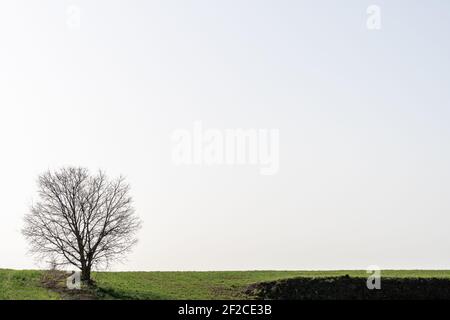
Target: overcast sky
(363,117)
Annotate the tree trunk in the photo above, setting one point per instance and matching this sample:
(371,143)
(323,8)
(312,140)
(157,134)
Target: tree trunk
(86,275)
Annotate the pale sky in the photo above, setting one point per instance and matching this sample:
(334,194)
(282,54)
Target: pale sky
(363,117)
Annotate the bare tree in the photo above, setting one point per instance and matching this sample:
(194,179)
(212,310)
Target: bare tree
(81,219)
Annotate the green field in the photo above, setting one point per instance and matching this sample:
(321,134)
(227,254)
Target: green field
(15,284)
(23,284)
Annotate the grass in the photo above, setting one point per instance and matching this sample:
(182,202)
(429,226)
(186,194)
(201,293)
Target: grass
(177,285)
(23,285)
(182,285)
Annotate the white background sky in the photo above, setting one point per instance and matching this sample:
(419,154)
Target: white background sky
(363,117)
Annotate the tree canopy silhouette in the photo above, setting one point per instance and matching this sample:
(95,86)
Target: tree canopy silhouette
(81,219)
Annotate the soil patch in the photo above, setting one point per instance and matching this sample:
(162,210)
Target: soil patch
(350,288)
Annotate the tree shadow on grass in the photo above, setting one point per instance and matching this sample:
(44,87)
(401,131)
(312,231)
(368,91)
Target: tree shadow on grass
(55,281)
(111,294)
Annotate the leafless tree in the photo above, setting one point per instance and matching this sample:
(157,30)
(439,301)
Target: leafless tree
(83,220)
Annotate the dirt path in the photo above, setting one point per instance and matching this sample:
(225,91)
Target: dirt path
(55,281)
